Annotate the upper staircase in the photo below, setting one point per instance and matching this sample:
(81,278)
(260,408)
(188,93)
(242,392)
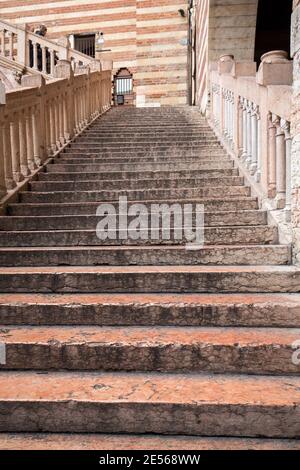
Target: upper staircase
(24,52)
(140,337)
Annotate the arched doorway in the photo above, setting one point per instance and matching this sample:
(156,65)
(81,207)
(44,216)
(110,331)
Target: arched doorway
(273,28)
(123,88)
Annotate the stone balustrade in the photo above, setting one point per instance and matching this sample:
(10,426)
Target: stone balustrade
(251,113)
(36,121)
(38,52)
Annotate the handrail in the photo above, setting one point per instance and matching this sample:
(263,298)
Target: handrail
(251,113)
(38,52)
(38,120)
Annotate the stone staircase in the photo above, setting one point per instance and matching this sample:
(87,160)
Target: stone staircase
(144,344)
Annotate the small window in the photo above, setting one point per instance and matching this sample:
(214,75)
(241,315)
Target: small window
(85,43)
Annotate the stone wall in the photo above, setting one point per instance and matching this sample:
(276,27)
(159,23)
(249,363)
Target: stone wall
(232,25)
(223,27)
(146,36)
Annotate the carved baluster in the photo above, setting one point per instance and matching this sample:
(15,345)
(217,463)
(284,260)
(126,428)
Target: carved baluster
(15,148)
(249,135)
(2,39)
(52,126)
(9,176)
(272,155)
(244,154)
(29,138)
(52,61)
(253,165)
(280,165)
(240,127)
(2,167)
(35,55)
(44,59)
(285,126)
(259,156)
(36,138)
(23,145)
(11,46)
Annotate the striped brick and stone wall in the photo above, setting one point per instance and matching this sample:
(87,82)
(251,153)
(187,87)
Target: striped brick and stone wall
(146,36)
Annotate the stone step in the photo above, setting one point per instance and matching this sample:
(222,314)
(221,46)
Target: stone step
(97,442)
(207,310)
(134,195)
(105,133)
(145,256)
(259,351)
(196,404)
(126,167)
(143,279)
(213,204)
(99,158)
(239,235)
(73,222)
(186,175)
(84,185)
(80,150)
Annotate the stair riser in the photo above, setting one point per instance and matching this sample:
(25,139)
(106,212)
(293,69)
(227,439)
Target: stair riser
(218,236)
(90,208)
(124,160)
(214,256)
(186,419)
(142,175)
(111,313)
(139,282)
(134,184)
(90,222)
(133,195)
(197,357)
(127,167)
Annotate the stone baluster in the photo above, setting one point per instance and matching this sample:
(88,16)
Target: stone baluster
(66,119)
(2,166)
(35,55)
(29,138)
(36,137)
(244,154)
(23,144)
(57,123)
(61,121)
(52,126)
(271,155)
(280,165)
(2,39)
(285,126)
(240,127)
(249,135)
(44,59)
(52,61)
(259,146)
(254,112)
(11,46)
(15,147)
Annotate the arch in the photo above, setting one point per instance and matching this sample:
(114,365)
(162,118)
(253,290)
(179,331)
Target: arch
(123,87)
(273,27)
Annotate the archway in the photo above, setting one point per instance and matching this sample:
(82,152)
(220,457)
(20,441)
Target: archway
(273,27)
(123,88)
